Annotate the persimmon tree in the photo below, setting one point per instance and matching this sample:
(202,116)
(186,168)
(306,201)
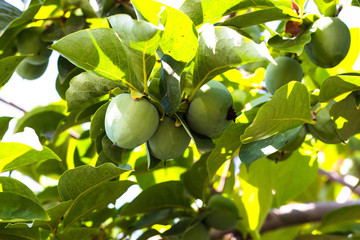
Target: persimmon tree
(233,118)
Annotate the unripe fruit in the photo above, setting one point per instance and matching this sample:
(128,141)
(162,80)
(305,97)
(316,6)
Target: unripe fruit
(208,110)
(197,232)
(329,43)
(295,142)
(29,42)
(168,141)
(280,155)
(30,71)
(223,214)
(130,123)
(325,128)
(286,70)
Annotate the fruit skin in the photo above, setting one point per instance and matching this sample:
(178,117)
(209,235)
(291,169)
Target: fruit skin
(329,43)
(130,123)
(29,42)
(30,71)
(223,215)
(287,70)
(197,232)
(325,128)
(168,141)
(208,110)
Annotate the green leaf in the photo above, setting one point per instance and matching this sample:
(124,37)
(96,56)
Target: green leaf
(87,87)
(152,161)
(97,127)
(259,17)
(225,147)
(56,213)
(42,119)
(8,184)
(15,232)
(77,233)
(7,14)
(343,83)
(346,116)
(220,49)
(206,11)
(283,112)
(17,25)
(327,7)
(341,216)
(4,125)
(203,143)
(95,198)
(16,155)
(320,237)
(259,149)
(105,55)
(78,180)
(7,68)
(164,195)
(293,45)
(17,208)
(112,151)
(142,39)
(170,83)
(180,41)
(196,179)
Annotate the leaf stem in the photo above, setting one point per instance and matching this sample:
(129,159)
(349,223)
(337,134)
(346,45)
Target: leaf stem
(146,89)
(269,29)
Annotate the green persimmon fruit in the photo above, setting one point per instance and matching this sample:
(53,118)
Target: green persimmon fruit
(296,141)
(286,70)
(130,123)
(29,42)
(169,141)
(223,215)
(197,232)
(208,112)
(30,71)
(325,128)
(330,42)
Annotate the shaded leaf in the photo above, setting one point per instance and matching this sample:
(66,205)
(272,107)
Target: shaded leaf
(170,83)
(341,216)
(106,55)
(343,83)
(77,233)
(15,186)
(7,13)
(112,151)
(17,208)
(7,68)
(16,155)
(55,213)
(78,180)
(164,195)
(4,125)
(179,41)
(94,199)
(220,49)
(97,127)
(283,112)
(259,17)
(152,161)
(15,232)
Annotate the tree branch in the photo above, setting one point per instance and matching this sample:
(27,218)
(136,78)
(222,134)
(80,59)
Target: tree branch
(343,180)
(13,105)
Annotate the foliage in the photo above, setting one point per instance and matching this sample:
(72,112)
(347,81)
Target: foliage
(162,55)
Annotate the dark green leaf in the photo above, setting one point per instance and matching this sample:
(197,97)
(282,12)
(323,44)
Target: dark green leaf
(95,198)
(341,216)
(4,125)
(7,68)
(77,233)
(259,17)
(15,232)
(112,151)
(170,83)
(160,196)
(97,127)
(86,87)
(283,112)
(255,150)
(78,180)
(220,49)
(55,213)
(320,237)
(346,116)
(7,13)
(15,155)
(343,83)
(17,208)
(106,55)
(180,41)
(151,160)
(49,194)
(42,119)
(15,186)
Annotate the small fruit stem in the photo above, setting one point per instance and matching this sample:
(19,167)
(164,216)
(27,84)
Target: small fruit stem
(146,89)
